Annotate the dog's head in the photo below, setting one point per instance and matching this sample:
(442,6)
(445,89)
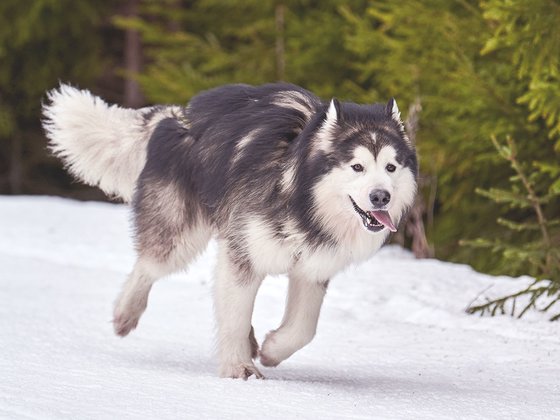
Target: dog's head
(371,180)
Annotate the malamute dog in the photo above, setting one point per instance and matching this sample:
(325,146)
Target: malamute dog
(286,183)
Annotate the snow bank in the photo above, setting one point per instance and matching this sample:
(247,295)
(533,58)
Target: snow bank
(393,339)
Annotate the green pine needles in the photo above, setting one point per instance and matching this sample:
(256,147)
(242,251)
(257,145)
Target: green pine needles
(533,189)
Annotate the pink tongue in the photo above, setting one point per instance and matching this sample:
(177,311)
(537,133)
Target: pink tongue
(384,218)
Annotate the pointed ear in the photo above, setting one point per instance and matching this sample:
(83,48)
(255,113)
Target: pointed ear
(324,137)
(333,113)
(392,110)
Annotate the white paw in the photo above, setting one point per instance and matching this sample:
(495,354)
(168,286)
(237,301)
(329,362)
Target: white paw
(281,344)
(240,371)
(124,322)
(271,350)
(127,313)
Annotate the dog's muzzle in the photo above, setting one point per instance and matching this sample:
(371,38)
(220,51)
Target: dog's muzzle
(374,220)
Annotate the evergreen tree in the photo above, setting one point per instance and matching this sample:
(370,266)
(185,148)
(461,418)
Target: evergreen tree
(192,46)
(532,192)
(197,45)
(529,32)
(41,42)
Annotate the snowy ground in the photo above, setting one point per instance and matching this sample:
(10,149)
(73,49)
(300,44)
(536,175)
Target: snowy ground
(393,340)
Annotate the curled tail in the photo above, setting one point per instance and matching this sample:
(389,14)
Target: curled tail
(103,145)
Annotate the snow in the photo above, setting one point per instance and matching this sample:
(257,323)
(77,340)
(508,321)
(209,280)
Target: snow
(393,339)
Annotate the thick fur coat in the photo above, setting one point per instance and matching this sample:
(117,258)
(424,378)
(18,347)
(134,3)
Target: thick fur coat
(285,182)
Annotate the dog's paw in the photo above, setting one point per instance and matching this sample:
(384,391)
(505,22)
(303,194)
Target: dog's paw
(240,371)
(282,343)
(124,322)
(128,311)
(268,361)
(269,352)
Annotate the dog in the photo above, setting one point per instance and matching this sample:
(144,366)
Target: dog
(285,182)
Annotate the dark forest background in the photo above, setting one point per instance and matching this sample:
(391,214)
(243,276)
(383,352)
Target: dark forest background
(480,81)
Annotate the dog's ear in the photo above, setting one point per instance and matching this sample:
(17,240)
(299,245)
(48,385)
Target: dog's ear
(324,138)
(392,110)
(333,113)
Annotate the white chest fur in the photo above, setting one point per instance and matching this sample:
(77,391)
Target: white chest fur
(320,264)
(278,254)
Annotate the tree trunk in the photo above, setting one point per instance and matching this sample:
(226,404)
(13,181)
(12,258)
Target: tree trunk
(280,52)
(16,172)
(132,60)
(415,222)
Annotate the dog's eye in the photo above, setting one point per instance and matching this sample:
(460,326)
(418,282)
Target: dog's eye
(357,167)
(390,167)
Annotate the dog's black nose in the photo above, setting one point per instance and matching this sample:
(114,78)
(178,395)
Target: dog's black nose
(379,198)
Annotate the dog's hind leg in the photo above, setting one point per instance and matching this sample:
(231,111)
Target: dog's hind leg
(133,298)
(169,235)
(235,289)
(299,323)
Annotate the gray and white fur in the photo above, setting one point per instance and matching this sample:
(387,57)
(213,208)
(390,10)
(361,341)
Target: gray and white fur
(286,183)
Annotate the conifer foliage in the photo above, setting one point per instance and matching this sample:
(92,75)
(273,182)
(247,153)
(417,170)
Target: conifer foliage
(532,189)
(529,31)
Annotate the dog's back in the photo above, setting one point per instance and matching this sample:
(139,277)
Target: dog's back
(250,102)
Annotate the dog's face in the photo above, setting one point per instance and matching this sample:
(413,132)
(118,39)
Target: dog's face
(373,178)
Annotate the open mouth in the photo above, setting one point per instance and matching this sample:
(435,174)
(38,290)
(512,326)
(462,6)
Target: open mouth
(374,220)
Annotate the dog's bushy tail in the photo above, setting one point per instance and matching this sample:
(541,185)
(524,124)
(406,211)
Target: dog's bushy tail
(103,145)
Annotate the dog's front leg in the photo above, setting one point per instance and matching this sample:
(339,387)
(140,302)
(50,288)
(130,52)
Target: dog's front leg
(299,323)
(234,297)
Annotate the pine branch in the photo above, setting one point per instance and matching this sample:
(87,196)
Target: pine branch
(495,306)
(510,154)
(539,255)
(519,227)
(504,196)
